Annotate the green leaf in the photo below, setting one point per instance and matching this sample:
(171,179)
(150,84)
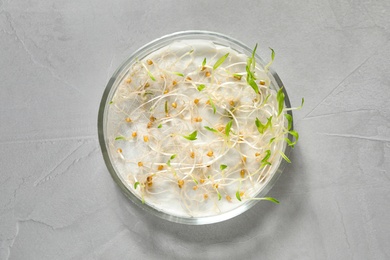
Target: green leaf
(269,122)
(219,196)
(254,52)
(178,73)
(238,195)
(284,157)
(222,167)
(253,84)
(191,136)
(159,126)
(171,158)
(250,77)
(289,120)
(249,73)
(265,161)
(120,138)
(289,142)
(228,127)
(212,105)
(151,76)
(195,180)
(166,107)
(280,99)
(220,61)
(201,87)
(211,129)
(272,139)
(272,54)
(111,102)
(271,199)
(267,156)
(262,128)
(136,185)
(204,62)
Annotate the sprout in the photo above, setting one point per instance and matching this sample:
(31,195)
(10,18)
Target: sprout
(280,99)
(250,66)
(237,76)
(228,127)
(210,129)
(136,185)
(295,135)
(238,195)
(212,105)
(222,167)
(289,120)
(272,59)
(120,138)
(201,87)
(265,161)
(284,157)
(267,198)
(191,136)
(149,73)
(171,158)
(220,61)
(178,74)
(204,62)
(302,102)
(262,128)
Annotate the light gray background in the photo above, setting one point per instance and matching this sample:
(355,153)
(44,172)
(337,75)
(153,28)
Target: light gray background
(57,198)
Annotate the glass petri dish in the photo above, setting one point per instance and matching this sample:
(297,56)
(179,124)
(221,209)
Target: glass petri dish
(108,119)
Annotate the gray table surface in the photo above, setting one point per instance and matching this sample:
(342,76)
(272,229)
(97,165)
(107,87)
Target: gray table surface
(57,199)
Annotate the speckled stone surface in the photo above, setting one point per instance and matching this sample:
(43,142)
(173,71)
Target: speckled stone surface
(57,199)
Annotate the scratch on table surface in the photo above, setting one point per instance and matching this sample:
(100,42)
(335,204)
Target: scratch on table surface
(344,229)
(377,139)
(12,240)
(51,173)
(46,140)
(66,160)
(340,113)
(79,159)
(338,85)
